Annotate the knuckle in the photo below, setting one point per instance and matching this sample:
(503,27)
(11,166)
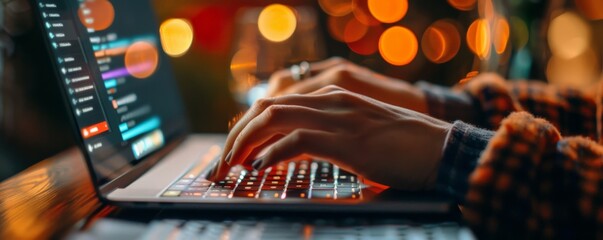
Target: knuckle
(262,103)
(298,137)
(273,112)
(332,88)
(339,60)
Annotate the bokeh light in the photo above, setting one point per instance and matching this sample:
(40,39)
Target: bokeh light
(96,14)
(463,5)
(521,33)
(141,59)
(500,35)
(337,25)
(362,13)
(354,30)
(242,67)
(568,35)
(277,22)
(479,39)
(336,8)
(388,11)
(592,9)
(398,45)
(368,44)
(176,36)
(441,41)
(580,72)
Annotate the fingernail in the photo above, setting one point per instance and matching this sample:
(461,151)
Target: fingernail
(228,157)
(18,6)
(257,164)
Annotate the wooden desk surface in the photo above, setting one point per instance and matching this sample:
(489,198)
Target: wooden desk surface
(47,199)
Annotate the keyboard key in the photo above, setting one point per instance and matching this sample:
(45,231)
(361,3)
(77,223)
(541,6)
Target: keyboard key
(273,187)
(323,194)
(184,181)
(299,181)
(348,190)
(250,178)
(347,178)
(347,185)
(244,194)
(178,187)
(325,180)
(200,184)
(249,183)
(271,194)
(323,186)
(192,194)
(200,189)
(298,186)
(277,178)
(275,182)
(226,187)
(214,190)
(277,173)
(217,195)
(248,188)
(296,194)
(171,193)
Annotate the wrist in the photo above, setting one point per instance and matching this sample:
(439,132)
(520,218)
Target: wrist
(461,150)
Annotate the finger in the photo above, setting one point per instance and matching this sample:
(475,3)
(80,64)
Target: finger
(283,79)
(302,142)
(333,76)
(222,169)
(18,17)
(259,106)
(279,119)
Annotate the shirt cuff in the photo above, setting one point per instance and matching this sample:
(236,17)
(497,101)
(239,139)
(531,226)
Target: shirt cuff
(462,149)
(448,105)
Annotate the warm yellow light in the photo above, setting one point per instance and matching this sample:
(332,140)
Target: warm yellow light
(580,72)
(441,41)
(500,35)
(478,38)
(463,5)
(277,22)
(388,11)
(398,46)
(176,36)
(569,35)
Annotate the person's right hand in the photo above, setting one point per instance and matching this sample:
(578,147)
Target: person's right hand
(386,144)
(342,73)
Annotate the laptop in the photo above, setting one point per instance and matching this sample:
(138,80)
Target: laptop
(129,120)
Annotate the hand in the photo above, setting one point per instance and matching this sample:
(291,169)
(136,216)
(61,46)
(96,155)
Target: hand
(342,73)
(381,142)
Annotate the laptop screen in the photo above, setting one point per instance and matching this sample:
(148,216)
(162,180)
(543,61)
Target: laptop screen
(116,79)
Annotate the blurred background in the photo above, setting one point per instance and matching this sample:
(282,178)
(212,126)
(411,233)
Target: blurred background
(223,52)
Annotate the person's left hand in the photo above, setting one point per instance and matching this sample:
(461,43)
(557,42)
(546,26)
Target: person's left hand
(381,142)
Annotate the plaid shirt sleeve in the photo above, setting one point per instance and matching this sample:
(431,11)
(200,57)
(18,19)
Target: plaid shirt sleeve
(524,179)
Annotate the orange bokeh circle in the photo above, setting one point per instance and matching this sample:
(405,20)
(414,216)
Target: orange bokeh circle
(96,14)
(141,59)
(441,41)
(479,39)
(388,11)
(398,45)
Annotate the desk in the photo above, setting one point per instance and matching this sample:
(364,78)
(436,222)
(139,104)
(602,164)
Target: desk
(47,199)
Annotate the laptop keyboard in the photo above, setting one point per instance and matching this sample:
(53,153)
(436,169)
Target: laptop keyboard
(319,229)
(306,179)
